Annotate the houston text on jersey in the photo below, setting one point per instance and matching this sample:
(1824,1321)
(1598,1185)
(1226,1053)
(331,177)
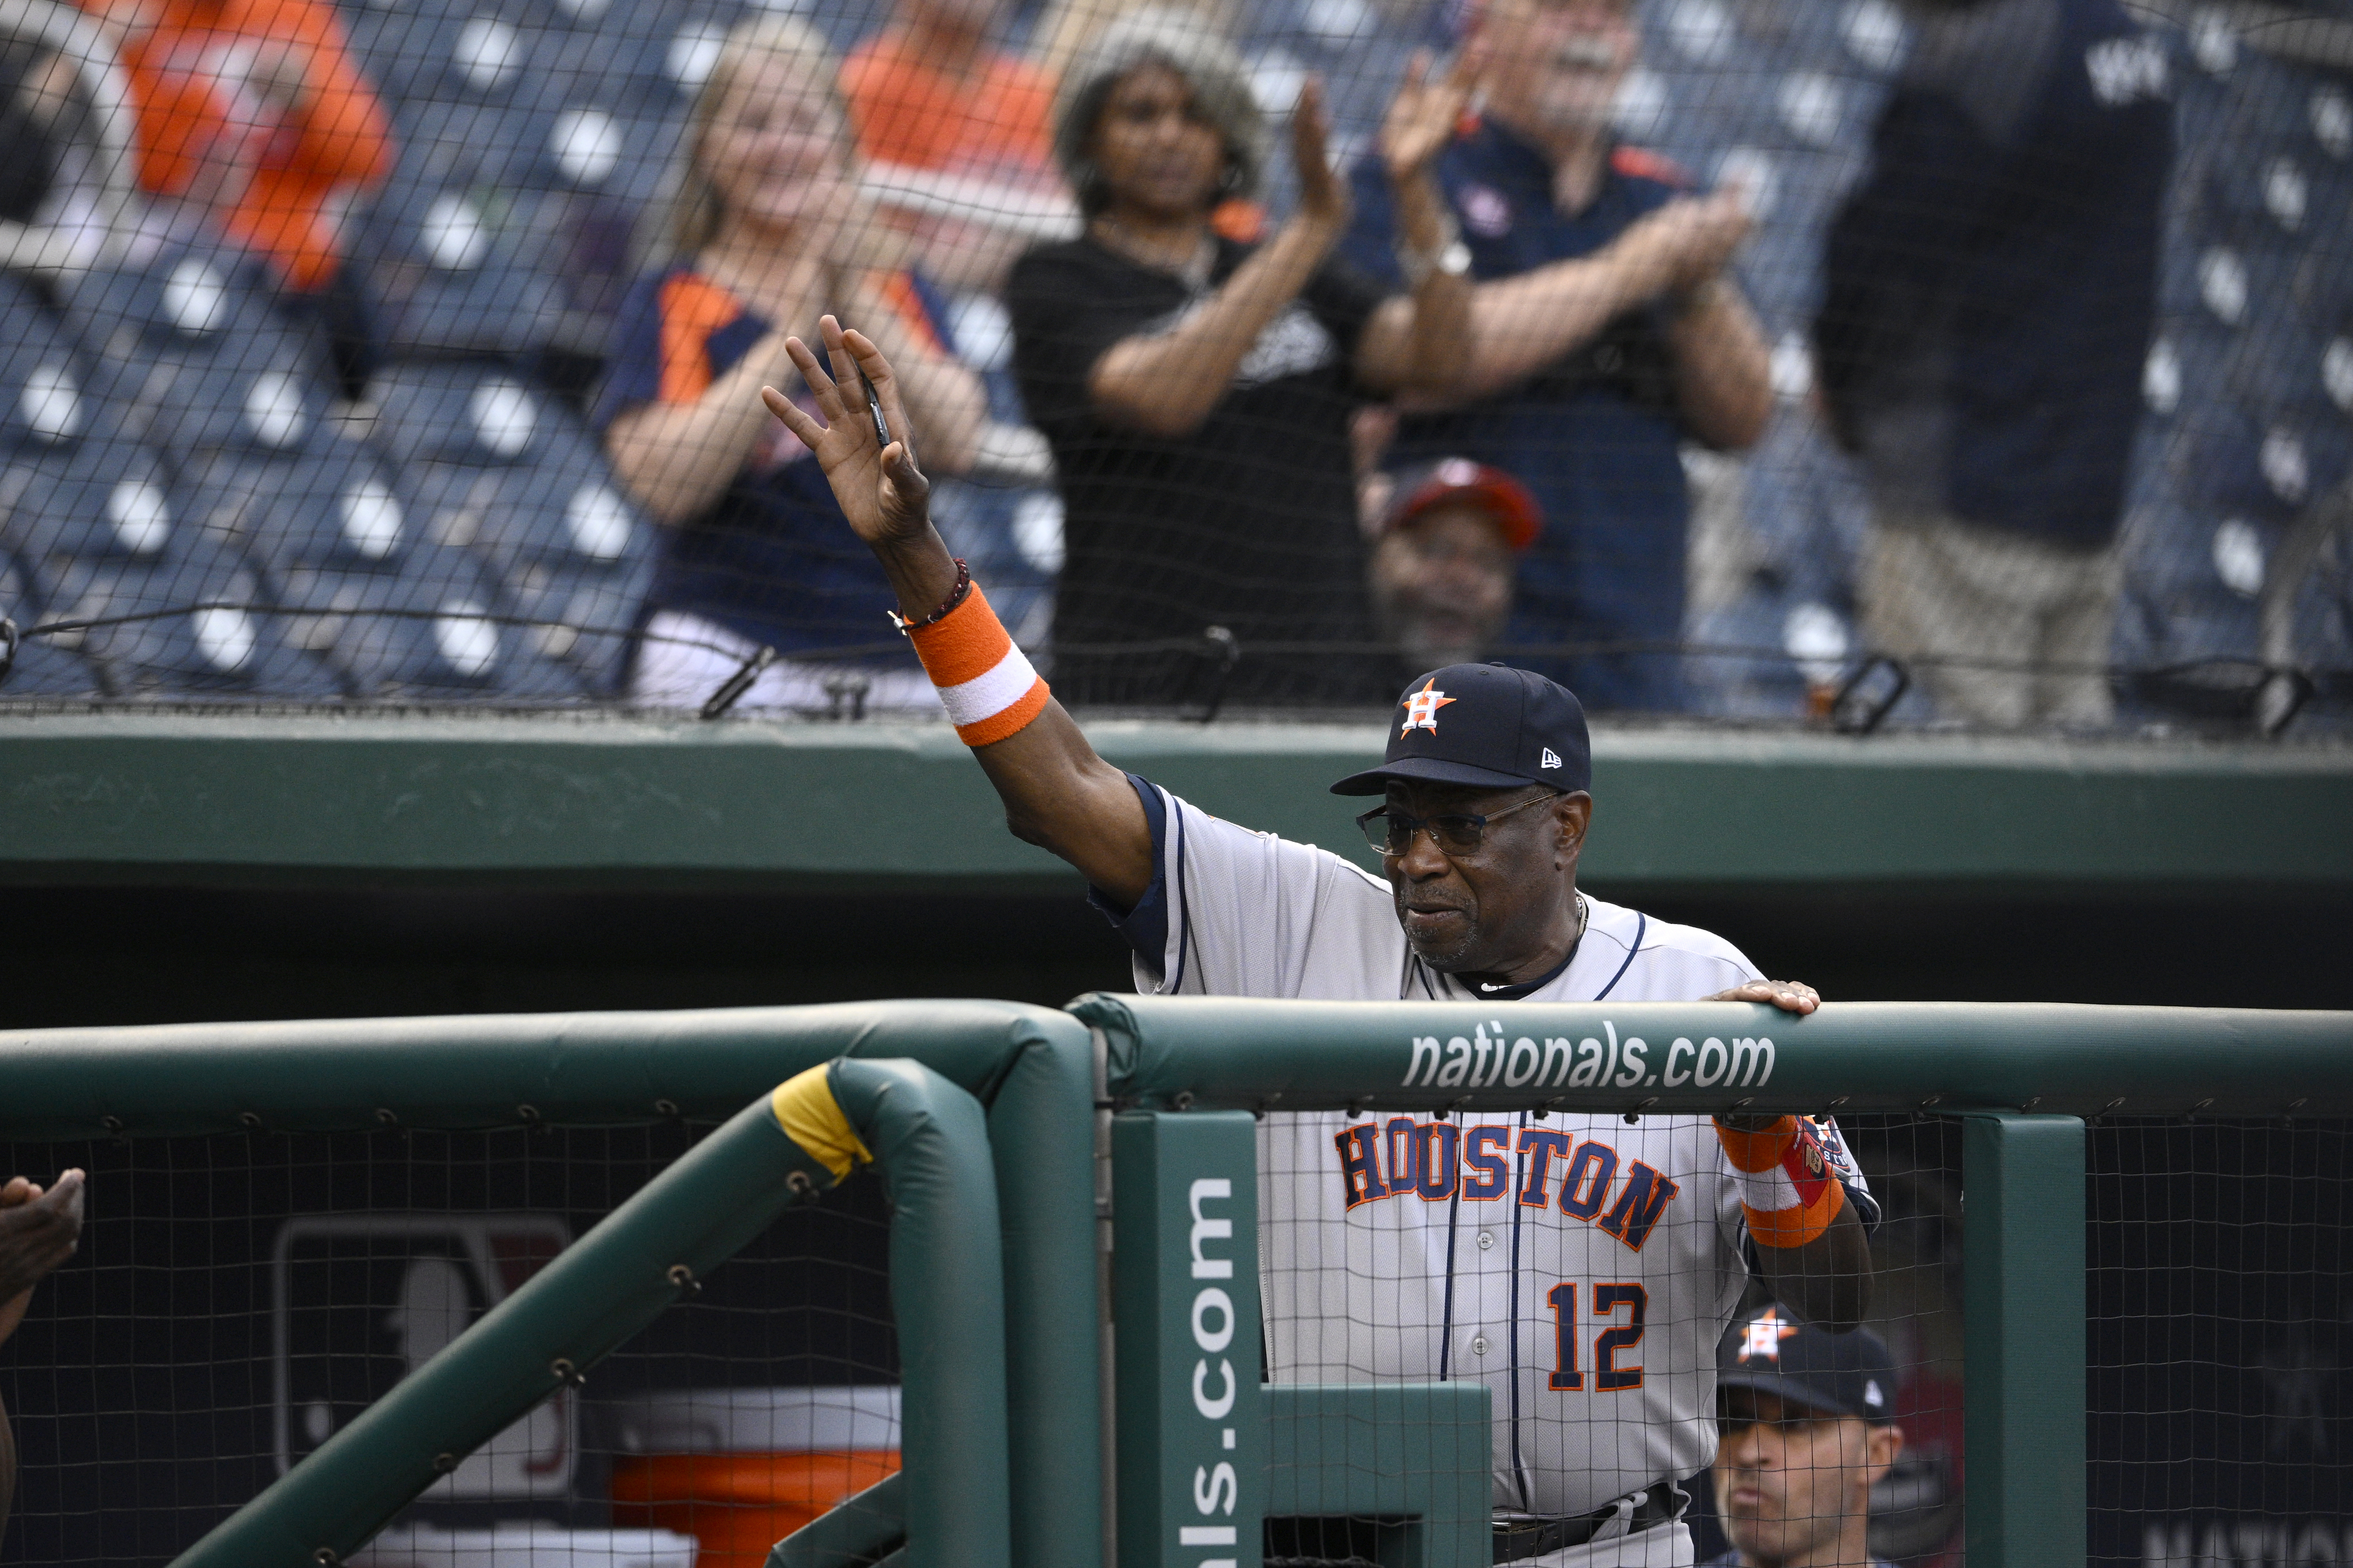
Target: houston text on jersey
(1433,1160)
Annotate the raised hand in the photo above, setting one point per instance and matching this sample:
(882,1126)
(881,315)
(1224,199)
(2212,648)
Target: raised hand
(1422,117)
(880,489)
(1323,193)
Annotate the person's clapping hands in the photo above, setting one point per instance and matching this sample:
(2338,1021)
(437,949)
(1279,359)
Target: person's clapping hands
(38,1231)
(1323,196)
(1692,239)
(1423,116)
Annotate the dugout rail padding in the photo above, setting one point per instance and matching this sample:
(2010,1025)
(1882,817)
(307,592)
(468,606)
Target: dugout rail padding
(1166,1090)
(1030,1068)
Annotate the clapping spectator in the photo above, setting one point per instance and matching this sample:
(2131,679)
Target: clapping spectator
(38,1231)
(1606,331)
(67,195)
(253,118)
(1447,547)
(767,231)
(1989,294)
(933,94)
(1197,391)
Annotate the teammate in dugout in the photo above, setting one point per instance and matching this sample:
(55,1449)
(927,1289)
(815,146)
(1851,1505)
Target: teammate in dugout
(1584,1269)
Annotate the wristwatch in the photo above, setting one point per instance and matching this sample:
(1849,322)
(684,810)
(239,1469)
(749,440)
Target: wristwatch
(1452,258)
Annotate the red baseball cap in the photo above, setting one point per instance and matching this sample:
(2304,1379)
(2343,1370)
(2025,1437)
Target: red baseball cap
(1505,497)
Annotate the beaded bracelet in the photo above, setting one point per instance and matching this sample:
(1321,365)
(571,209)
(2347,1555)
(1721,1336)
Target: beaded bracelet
(955,596)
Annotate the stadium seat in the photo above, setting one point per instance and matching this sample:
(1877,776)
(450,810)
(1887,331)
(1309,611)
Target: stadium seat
(442,282)
(508,474)
(186,353)
(429,628)
(458,54)
(41,667)
(336,534)
(45,402)
(206,632)
(192,303)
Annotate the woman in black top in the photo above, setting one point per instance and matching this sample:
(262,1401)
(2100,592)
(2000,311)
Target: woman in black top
(1197,391)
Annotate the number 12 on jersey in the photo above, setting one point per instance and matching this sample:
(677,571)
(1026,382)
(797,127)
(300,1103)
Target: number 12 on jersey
(1609,1376)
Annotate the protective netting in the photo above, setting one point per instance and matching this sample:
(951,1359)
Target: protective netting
(237,1301)
(2216,1255)
(1990,363)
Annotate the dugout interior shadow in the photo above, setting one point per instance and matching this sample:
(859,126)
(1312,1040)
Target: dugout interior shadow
(137,955)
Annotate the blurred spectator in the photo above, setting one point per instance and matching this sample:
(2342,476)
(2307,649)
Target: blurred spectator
(36,85)
(1446,546)
(767,231)
(1986,319)
(933,94)
(38,1231)
(1197,391)
(251,116)
(1065,27)
(67,195)
(1606,331)
(1805,1428)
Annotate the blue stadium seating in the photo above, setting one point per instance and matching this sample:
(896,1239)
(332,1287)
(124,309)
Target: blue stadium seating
(511,476)
(189,304)
(166,433)
(41,667)
(444,282)
(186,353)
(231,646)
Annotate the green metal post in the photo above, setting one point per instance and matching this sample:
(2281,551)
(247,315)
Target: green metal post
(1192,1424)
(2022,1299)
(1414,1456)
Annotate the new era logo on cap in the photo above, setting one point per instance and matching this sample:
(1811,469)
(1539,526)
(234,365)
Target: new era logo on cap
(1551,759)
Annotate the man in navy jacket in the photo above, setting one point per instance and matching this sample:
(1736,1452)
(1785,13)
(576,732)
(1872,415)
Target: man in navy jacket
(1989,294)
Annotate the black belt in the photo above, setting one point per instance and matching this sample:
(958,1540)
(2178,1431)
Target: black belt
(1522,1536)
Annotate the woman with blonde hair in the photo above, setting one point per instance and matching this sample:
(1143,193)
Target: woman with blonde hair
(768,230)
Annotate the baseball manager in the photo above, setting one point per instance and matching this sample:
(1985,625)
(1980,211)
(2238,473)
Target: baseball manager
(1582,1267)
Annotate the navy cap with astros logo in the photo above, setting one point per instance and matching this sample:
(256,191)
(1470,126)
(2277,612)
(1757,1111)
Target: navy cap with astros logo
(1484,725)
(1776,1352)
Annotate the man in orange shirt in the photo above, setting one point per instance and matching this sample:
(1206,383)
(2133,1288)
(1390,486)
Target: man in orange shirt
(933,95)
(252,110)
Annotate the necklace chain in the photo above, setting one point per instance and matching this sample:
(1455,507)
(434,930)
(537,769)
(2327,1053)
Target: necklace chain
(1194,272)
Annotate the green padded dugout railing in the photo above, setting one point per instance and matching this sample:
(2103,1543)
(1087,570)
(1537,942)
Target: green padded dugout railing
(1030,1066)
(929,1141)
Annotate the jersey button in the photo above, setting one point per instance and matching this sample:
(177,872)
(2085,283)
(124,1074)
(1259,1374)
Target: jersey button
(1478,1345)
(1486,1241)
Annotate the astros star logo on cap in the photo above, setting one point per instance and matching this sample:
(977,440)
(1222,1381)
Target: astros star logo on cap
(1764,1335)
(1421,707)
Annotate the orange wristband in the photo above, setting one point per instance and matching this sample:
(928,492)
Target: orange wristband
(1786,1188)
(985,684)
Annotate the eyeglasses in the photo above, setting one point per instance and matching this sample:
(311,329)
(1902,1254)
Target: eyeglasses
(1455,833)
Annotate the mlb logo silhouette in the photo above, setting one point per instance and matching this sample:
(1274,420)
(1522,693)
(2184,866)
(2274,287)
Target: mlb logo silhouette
(364,1299)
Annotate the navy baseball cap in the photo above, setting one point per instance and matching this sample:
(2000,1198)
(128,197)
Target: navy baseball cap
(1774,1352)
(1484,725)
